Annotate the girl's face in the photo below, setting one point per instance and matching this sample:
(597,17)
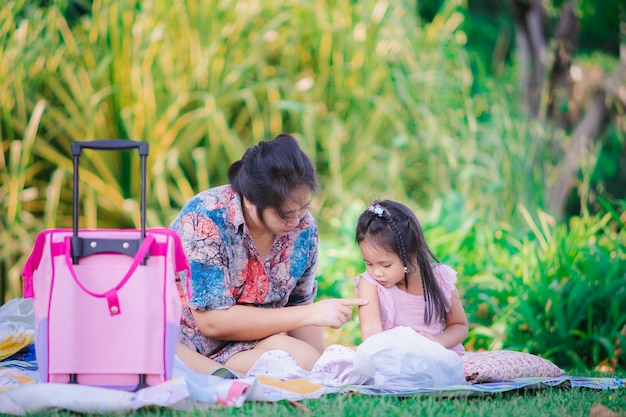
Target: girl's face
(293,211)
(382,264)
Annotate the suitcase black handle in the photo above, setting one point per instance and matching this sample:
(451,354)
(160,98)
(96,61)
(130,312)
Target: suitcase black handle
(111,145)
(79,248)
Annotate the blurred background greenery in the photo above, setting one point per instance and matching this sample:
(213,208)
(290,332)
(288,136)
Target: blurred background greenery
(414,101)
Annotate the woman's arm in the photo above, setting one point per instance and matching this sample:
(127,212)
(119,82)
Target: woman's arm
(310,334)
(251,323)
(369,314)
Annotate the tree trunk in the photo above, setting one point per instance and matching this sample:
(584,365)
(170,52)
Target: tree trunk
(610,96)
(531,34)
(607,98)
(560,88)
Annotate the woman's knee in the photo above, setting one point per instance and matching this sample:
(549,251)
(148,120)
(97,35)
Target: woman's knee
(304,354)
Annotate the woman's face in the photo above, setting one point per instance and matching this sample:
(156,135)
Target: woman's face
(293,211)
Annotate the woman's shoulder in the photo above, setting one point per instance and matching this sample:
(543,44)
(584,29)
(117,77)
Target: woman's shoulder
(308,220)
(219,204)
(211,200)
(214,197)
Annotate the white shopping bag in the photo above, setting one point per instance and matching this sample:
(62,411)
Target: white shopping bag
(400,359)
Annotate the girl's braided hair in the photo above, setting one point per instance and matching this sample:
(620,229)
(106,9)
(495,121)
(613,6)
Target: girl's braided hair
(393,226)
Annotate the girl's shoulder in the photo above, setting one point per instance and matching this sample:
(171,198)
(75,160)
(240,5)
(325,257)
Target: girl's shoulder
(368,278)
(444,270)
(446,275)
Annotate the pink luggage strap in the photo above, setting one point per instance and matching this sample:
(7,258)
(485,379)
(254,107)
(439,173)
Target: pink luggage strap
(63,248)
(32,263)
(111,295)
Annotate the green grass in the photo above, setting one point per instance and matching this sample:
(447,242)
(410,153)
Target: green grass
(556,402)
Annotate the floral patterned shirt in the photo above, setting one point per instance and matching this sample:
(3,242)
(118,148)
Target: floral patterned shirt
(226,268)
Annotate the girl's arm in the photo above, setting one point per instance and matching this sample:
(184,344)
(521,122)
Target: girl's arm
(369,314)
(456,324)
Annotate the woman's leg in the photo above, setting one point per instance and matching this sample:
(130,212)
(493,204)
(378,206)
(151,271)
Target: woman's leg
(304,354)
(196,361)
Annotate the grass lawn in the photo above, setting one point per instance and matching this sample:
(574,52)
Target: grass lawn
(556,402)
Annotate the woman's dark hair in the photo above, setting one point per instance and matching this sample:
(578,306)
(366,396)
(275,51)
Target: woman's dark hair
(393,226)
(270,171)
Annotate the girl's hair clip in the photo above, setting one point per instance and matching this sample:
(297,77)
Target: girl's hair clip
(376,209)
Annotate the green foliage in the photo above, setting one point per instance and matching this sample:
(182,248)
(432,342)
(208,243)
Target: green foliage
(490,25)
(599,23)
(559,293)
(26,201)
(20,201)
(199,81)
(553,290)
(366,87)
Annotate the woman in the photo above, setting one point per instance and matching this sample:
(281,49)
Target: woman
(252,246)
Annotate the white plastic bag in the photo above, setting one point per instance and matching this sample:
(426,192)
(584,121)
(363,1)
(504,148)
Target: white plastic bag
(400,359)
(17,326)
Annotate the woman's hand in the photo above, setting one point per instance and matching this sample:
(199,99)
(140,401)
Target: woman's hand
(334,312)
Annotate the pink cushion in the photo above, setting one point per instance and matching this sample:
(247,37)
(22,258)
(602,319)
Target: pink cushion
(500,365)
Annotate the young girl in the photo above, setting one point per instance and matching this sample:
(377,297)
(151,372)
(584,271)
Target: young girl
(405,283)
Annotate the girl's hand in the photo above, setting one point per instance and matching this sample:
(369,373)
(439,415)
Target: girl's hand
(430,336)
(335,312)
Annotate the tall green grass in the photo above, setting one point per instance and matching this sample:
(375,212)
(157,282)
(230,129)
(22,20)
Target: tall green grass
(380,102)
(22,194)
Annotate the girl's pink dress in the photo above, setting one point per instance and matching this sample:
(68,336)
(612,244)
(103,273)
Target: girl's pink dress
(399,308)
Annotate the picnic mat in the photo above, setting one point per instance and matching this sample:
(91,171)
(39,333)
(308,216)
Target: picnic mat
(21,393)
(274,377)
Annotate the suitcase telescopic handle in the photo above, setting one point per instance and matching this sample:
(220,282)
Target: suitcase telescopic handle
(111,145)
(107,145)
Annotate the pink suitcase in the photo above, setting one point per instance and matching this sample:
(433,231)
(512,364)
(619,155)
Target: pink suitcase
(106,305)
